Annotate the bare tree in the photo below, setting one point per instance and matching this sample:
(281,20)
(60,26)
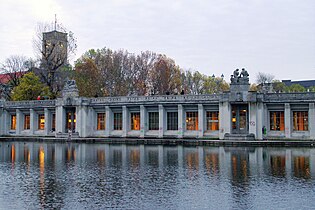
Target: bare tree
(263,78)
(53,46)
(14,67)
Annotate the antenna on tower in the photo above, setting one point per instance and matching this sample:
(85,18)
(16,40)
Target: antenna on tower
(55,22)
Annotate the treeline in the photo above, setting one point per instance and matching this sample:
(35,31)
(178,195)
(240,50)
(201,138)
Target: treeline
(104,72)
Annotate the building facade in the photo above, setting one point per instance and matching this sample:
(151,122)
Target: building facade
(236,114)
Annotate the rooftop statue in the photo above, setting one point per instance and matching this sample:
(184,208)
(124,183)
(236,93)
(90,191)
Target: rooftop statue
(240,78)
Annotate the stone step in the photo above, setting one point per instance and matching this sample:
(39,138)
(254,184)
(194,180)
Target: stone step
(239,137)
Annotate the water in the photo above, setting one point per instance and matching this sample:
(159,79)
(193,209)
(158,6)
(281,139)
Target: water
(98,176)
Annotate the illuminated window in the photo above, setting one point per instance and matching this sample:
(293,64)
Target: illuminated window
(300,120)
(41,122)
(135,121)
(27,122)
(153,121)
(191,120)
(277,121)
(13,122)
(101,117)
(172,120)
(212,121)
(117,121)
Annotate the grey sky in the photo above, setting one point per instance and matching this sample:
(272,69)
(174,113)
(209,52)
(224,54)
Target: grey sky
(213,37)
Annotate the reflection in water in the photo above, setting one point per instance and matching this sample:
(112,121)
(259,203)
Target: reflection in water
(301,167)
(277,165)
(212,163)
(98,176)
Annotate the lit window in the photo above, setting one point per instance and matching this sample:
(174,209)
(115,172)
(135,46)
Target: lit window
(212,121)
(13,122)
(191,120)
(300,121)
(135,121)
(27,122)
(277,121)
(41,122)
(117,121)
(153,121)
(172,120)
(101,121)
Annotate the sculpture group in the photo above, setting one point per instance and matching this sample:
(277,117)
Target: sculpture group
(240,78)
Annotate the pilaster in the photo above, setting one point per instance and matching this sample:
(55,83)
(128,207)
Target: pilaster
(143,121)
(125,121)
(311,119)
(201,123)
(47,121)
(33,121)
(224,119)
(181,124)
(19,122)
(108,125)
(162,122)
(60,119)
(287,120)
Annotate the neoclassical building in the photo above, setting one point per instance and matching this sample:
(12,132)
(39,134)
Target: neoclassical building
(236,114)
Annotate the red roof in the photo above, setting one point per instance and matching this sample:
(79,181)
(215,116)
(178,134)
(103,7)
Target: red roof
(5,78)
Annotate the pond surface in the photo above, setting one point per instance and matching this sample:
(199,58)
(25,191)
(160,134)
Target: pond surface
(98,176)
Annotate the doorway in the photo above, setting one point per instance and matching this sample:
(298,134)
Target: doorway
(70,120)
(239,119)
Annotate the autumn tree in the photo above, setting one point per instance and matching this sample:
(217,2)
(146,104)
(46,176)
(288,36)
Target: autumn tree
(87,78)
(29,88)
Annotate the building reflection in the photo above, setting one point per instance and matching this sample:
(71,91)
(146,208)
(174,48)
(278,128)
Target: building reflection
(277,165)
(134,157)
(70,153)
(301,167)
(212,163)
(100,156)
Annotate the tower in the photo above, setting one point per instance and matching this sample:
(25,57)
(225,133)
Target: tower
(54,50)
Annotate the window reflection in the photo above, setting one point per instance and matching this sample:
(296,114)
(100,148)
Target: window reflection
(212,163)
(301,167)
(277,165)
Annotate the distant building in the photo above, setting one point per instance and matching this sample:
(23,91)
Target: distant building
(305,83)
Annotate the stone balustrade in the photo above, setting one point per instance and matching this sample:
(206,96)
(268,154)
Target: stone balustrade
(160,99)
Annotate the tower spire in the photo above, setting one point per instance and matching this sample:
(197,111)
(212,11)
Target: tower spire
(55,22)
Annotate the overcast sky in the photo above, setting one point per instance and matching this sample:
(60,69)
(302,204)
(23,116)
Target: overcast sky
(211,36)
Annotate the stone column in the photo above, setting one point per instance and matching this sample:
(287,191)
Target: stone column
(311,120)
(60,119)
(224,119)
(162,123)
(260,120)
(201,124)
(47,114)
(143,121)
(181,124)
(84,121)
(125,121)
(19,122)
(109,125)
(3,123)
(33,121)
(287,120)
(252,127)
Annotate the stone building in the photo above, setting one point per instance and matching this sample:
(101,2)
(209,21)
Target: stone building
(236,114)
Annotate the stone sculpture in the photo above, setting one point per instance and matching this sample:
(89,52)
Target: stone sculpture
(240,78)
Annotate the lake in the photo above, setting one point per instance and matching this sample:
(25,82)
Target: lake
(37,175)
